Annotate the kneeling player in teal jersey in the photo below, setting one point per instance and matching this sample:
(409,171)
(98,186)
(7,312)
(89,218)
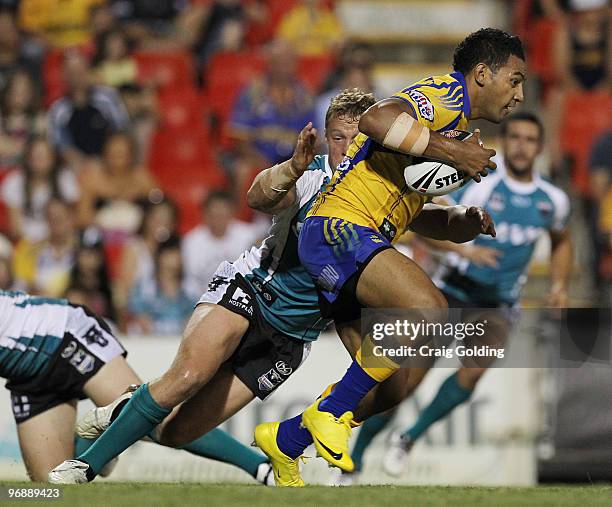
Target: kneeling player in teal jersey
(53,354)
(489,272)
(251,329)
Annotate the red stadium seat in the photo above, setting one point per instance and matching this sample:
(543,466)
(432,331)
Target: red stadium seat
(166,69)
(585,117)
(227,74)
(179,149)
(53,78)
(187,186)
(541,43)
(313,70)
(182,111)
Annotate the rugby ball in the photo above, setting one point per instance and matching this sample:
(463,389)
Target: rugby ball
(429,177)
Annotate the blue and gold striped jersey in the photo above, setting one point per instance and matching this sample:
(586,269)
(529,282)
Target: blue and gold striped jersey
(368,188)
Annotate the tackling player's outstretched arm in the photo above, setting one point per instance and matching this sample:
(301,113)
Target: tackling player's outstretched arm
(273,189)
(561,259)
(391,122)
(458,224)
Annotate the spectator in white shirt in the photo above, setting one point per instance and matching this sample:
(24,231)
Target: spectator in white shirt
(220,237)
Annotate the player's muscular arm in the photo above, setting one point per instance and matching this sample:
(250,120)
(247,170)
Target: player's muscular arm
(561,259)
(274,188)
(391,122)
(458,224)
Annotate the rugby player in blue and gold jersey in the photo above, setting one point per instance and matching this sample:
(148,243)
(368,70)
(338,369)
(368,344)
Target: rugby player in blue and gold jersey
(346,243)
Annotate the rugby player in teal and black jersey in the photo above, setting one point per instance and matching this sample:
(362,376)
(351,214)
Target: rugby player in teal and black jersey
(251,329)
(52,354)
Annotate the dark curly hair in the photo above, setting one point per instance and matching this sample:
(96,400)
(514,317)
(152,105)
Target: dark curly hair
(490,46)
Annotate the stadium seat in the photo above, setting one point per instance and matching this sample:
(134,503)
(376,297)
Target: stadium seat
(227,74)
(541,42)
(182,111)
(187,186)
(586,115)
(53,79)
(313,70)
(166,69)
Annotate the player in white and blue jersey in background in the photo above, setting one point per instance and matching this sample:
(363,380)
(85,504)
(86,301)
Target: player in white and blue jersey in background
(52,354)
(251,329)
(489,272)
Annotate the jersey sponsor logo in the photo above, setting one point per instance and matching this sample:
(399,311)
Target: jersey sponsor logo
(21,406)
(426,108)
(242,300)
(94,335)
(544,207)
(517,234)
(496,202)
(80,360)
(269,380)
(342,166)
(520,201)
(283,368)
(217,282)
(450,179)
(387,229)
(274,376)
(328,278)
(261,289)
(424,181)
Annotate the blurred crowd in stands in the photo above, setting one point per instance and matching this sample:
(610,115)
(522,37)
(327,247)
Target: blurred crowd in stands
(130,131)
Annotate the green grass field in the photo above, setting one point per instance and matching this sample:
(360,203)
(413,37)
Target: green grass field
(154,494)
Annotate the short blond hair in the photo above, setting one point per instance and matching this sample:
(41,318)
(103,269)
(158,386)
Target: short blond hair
(350,103)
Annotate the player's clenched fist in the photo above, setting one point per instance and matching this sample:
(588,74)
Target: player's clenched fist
(479,219)
(473,158)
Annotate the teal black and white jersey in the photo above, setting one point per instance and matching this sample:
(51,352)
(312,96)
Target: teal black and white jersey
(285,292)
(522,213)
(31,330)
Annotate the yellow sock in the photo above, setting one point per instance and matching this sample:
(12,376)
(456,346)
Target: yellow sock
(376,366)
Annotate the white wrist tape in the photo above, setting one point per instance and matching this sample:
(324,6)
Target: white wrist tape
(407,135)
(278,179)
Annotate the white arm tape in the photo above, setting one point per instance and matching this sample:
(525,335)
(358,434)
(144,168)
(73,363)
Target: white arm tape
(407,135)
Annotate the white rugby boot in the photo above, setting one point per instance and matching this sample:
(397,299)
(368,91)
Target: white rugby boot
(265,474)
(97,420)
(396,457)
(71,471)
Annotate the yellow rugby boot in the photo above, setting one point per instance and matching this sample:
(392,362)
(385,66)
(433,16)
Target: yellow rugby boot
(331,435)
(286,470)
